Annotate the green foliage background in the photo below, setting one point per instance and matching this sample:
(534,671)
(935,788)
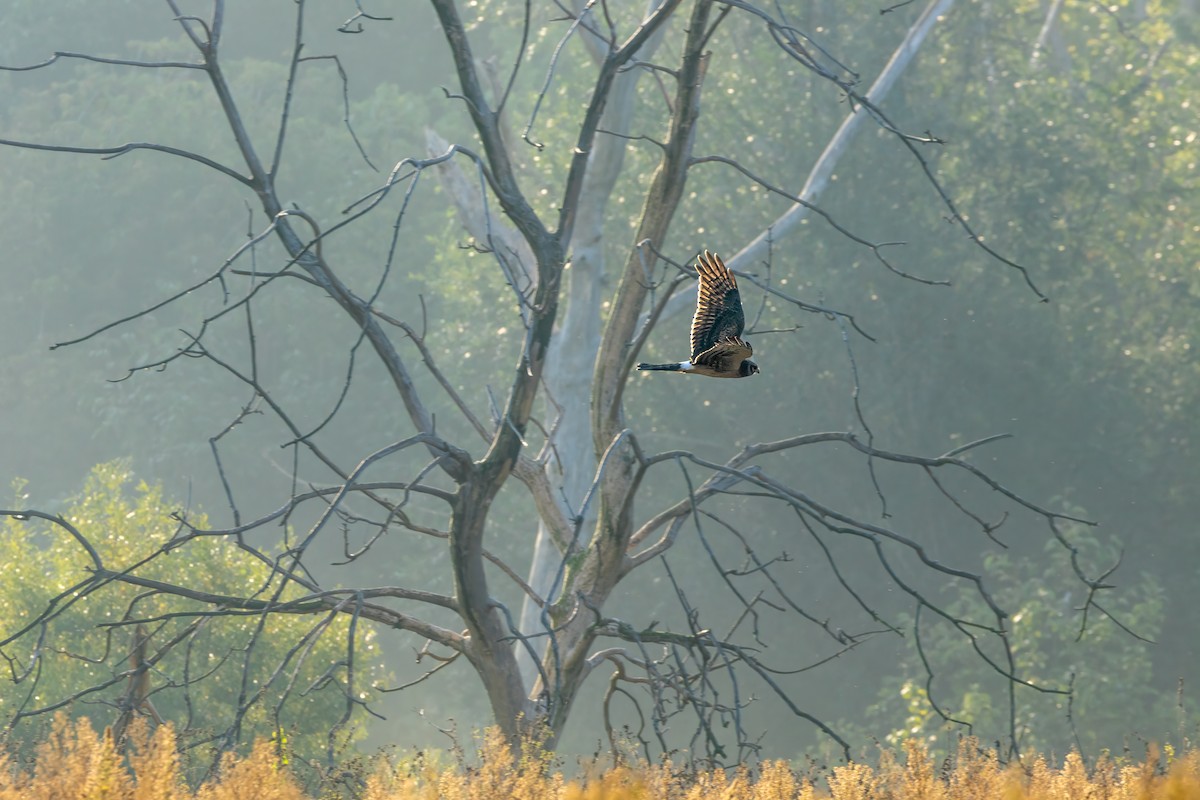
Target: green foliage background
(83,646)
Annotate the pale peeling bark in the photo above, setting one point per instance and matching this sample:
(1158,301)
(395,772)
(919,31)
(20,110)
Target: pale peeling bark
(595,570)
(466,192)
(574,347)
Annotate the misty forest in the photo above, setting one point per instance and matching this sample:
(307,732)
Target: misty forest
(322,422)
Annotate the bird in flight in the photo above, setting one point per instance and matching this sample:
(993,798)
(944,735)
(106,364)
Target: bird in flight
(718,349)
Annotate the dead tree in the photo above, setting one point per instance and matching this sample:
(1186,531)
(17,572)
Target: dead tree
(558,431)
(136,699)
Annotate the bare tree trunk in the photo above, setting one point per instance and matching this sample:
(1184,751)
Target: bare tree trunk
(574,347)
(600,569)
(490,648)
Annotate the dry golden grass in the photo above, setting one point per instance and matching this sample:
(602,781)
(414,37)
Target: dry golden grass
(76,762)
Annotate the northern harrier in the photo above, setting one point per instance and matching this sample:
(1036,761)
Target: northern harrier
(718,349)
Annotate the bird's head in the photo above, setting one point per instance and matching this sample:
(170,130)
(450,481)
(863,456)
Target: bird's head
(748,368)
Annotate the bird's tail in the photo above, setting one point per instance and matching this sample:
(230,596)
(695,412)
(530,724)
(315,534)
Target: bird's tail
(666,367)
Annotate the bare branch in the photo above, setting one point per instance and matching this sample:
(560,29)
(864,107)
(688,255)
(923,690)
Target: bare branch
(101,60)
(120,150)
(312,603)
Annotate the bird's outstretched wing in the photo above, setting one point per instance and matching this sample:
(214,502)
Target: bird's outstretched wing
(719,313)
(725,357)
